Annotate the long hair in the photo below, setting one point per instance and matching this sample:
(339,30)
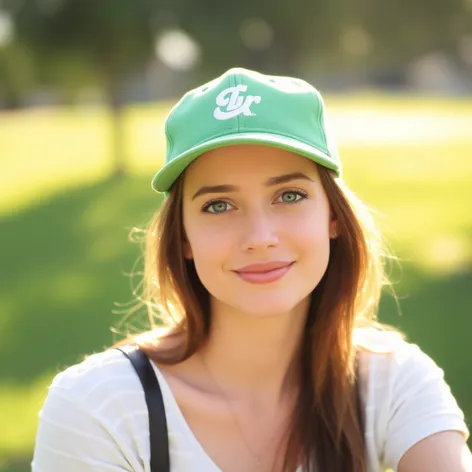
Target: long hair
(326,428)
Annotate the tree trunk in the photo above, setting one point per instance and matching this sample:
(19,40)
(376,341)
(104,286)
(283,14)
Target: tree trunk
(11,98)
(116,110)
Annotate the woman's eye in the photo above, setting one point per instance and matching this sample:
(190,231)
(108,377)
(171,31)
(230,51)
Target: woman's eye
(292,196)
(217,207)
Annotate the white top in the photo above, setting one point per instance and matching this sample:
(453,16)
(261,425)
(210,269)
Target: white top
(95,416)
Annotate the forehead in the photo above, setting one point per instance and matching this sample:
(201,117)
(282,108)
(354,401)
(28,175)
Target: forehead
(246,163)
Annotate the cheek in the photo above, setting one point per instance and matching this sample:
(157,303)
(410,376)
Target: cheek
(209,247)
(310,238)
(210,255)
(309,228)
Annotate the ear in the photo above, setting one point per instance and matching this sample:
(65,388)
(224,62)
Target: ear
(333,228)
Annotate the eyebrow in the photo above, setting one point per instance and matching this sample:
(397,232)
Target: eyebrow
(277,180)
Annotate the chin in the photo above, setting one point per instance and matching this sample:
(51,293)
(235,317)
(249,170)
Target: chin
(274,301)
(273,306)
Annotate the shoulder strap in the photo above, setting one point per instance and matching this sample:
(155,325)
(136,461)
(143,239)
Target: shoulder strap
(157,416)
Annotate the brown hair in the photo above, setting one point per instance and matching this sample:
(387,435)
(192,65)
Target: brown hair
(326,427)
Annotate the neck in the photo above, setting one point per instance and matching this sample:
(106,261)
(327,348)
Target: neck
(250,355)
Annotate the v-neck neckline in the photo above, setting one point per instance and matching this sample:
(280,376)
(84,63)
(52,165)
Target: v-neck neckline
(173,407)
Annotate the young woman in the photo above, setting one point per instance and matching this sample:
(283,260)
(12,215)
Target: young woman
(266,272)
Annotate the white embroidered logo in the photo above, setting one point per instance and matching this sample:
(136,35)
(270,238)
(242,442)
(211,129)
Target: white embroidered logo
(234,103)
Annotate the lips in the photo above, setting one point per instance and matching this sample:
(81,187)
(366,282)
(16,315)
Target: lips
(263,267)
(264,273)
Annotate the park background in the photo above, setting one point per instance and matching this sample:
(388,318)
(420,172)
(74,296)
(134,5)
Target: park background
(84,89)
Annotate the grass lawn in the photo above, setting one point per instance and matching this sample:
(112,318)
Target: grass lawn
(66,256)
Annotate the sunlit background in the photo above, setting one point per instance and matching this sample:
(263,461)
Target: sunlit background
(84,89)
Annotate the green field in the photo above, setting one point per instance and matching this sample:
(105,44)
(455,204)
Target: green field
(66,256)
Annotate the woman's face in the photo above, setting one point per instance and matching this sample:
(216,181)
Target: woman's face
(257,222)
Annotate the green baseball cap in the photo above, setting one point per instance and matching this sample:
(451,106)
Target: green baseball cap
(242,107)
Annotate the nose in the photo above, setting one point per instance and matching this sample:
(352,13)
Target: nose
(259,232)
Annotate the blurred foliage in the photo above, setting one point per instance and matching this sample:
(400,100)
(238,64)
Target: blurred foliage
(111,38)
(16,73)
(118,36)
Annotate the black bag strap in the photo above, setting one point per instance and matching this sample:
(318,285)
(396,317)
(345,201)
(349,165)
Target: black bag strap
(158,437)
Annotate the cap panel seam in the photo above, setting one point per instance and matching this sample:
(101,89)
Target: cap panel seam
(171,148)
(170,141)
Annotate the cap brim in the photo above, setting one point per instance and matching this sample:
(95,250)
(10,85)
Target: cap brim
(164,179)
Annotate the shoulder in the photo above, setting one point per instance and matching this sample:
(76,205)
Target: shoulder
(104,385)
(405,395)
(102,372)
(386,359)
(392,369)
(94,413)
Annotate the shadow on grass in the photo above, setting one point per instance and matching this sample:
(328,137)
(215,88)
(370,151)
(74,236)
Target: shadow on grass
(64,262)
(63,267)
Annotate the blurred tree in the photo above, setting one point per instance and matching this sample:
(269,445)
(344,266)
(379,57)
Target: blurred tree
(15,63)
(17,74)
(327,36)
(112,37)
(403,30)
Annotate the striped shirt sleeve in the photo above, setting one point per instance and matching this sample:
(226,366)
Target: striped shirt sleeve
(94,419)
(71,438)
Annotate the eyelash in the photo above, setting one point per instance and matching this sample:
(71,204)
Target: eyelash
(299,193)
